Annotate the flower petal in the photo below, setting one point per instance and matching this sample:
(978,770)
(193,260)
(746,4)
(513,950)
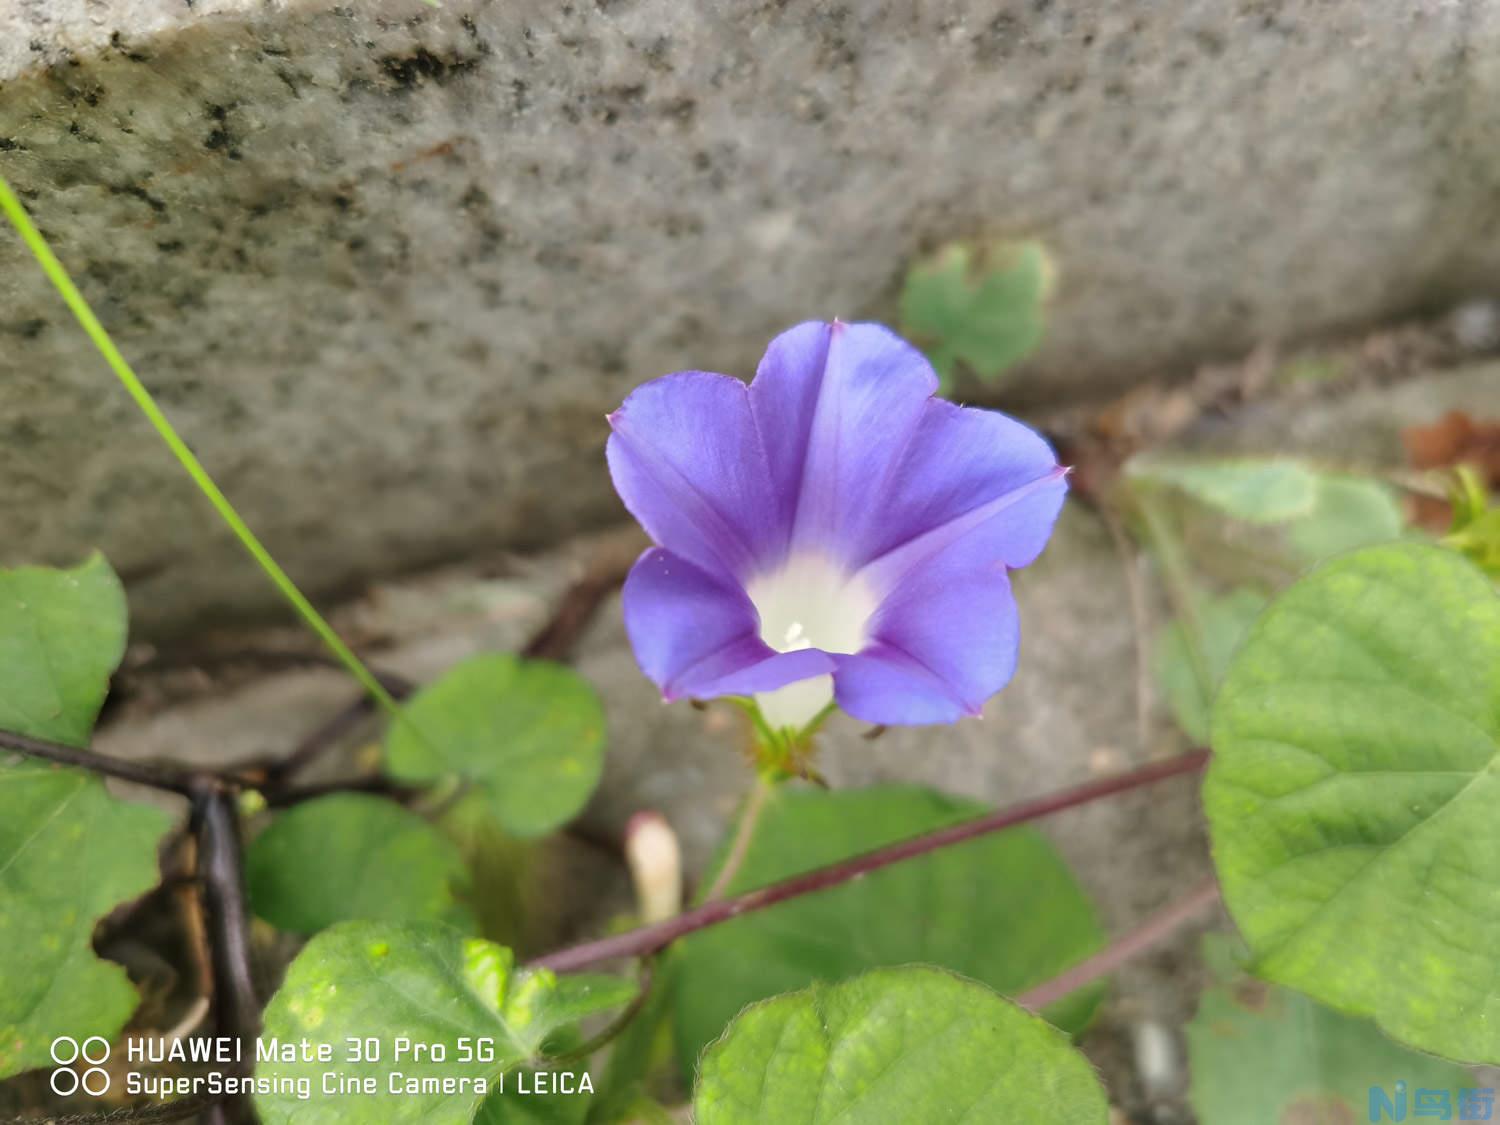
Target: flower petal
(883,685)
(973,475)
(687,460)
(837,454)
(943,642)
(836,405)
(696,635)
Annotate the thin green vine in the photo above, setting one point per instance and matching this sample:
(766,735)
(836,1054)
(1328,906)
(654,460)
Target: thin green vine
(15,211)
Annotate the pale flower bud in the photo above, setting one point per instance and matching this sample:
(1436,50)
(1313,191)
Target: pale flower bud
(655,861)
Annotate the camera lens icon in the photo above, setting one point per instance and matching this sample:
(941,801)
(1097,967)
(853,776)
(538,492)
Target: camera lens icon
(94,1080)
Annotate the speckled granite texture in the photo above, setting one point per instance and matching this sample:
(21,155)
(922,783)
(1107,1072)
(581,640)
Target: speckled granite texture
(389,264)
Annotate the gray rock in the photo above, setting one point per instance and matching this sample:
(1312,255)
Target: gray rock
(1359,430)
(399,261)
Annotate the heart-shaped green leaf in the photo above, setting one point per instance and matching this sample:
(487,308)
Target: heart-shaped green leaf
(1004,909)
(894,1047)
(1354,791)
(528,733)
(384,984)
(69,852)
(982,305)
(1476,526)
(350,856)
(62,633)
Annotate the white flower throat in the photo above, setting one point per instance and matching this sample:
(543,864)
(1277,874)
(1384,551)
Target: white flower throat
(810,602)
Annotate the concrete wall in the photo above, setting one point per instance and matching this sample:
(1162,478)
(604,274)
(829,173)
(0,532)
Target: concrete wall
(389,264)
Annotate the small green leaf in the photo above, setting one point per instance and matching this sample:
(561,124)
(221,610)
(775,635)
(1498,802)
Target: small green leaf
(62,633)
(1479,540)
(984,306)
(69,852)
(1476,526)
(1312,369)
(894,1046)
(509,878)
(1348,512)
(529,734)
(1353,792)
(1262,1054)
(1004,909)
(350,856)
(418,983)
(1252,489)
(1222,623)
(1468,496)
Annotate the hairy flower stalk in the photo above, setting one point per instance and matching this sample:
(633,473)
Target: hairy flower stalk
(831,533)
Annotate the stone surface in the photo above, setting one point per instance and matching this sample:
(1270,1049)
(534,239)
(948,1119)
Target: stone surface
(397,260)
(1360,430)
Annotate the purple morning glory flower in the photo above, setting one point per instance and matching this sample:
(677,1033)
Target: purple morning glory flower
(830,532)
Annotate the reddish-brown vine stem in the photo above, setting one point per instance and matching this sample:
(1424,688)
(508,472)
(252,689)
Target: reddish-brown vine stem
(649,939)
(1150,933)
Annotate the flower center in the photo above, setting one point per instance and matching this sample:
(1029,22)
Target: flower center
(809,603)
(812,603)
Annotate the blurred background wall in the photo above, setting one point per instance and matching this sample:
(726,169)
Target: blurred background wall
(388,265)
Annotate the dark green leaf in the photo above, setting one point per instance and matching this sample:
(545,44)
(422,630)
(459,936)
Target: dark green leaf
(350,856)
